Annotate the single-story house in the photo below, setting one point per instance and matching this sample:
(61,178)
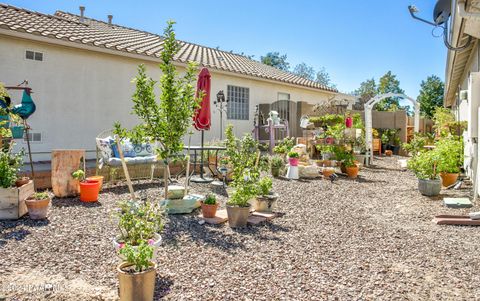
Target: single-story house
(80,70)
(462,78)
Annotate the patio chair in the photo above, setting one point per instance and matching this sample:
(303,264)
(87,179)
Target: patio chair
(139,167)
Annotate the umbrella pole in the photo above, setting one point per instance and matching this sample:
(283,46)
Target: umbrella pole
(201,159)
(26,128)
(201,179)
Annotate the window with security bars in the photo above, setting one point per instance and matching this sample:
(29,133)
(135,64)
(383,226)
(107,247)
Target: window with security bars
(238,103)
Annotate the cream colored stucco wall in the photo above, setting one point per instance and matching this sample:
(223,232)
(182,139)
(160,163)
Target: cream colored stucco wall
(79,93)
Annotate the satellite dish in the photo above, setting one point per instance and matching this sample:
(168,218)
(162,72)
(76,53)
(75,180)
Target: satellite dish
(442,11)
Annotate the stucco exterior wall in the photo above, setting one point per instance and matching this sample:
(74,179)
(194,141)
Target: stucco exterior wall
(80,93)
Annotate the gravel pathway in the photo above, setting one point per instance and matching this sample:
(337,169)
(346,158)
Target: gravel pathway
(368,239)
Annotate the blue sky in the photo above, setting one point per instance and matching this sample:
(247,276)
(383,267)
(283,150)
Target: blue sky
(354,40)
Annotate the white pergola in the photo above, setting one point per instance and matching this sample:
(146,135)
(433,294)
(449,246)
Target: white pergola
(368,119)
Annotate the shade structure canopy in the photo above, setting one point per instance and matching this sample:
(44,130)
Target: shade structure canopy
(202,117)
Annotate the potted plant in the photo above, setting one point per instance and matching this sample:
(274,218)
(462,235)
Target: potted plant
(89,189)
(38,205)
(424,166)
(450,155)
(238,205)
(139,221)
(266,199)
(293,158)
(327,172)
(276,164)
(351,168)
(209,206)
(136,275)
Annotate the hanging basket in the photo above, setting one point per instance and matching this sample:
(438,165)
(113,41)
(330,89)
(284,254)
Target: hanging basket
(17,131)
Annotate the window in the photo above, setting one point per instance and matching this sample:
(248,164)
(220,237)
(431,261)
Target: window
(283,96)
(33,137)
(32,55)
(238,103)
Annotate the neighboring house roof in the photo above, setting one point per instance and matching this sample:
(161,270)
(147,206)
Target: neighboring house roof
(67,27)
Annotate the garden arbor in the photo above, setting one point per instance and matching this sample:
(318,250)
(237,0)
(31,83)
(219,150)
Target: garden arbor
(368,118)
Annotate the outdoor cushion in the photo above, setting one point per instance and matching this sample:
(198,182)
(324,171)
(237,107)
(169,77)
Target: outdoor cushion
(132,160)
(143,150)
(105,148)
(127,148)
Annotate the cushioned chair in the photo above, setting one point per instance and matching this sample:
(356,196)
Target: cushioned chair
(141,166)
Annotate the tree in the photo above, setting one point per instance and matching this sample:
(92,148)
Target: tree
(324,78)
(165,122)
(276,60)
(388,83)
(366,91)
(431,95)
(304,71)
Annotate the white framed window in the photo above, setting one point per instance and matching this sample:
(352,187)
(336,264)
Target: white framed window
(33,55)
(283,96)
(238,103)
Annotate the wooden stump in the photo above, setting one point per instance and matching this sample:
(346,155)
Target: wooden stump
(64,162)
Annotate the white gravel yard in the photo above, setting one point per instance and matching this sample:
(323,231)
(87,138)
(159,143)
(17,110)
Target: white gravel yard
(365,239)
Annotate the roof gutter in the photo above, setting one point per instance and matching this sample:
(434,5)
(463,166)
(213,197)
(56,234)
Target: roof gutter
(73,44)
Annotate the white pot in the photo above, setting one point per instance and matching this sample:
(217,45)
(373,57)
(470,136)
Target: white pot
(157,242)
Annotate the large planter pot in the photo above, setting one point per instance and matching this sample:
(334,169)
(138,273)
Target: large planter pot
(157,241)
(37,209)
(293,161)
(396,150)
(209,211)
(89,191)
(99,179)
(448,178)
(265,203)
(352,171)
(275,172)
(136,286)
(237,216)
(429,187)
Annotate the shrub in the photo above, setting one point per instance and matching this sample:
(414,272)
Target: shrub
(9,167)
(210,200)
(284,146)
(140,257)
(424,165)
(417,144)
(450,153)
(265,186)
(276,162)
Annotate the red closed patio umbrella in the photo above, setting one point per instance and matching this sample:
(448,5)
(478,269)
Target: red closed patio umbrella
(202,117)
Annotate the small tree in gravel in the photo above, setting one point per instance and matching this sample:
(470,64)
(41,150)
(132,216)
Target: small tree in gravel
(165,122)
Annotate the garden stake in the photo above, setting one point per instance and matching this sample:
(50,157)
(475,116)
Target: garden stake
(124,166)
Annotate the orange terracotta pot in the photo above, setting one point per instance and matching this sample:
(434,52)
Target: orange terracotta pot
(99,179)
(388,153)
(448,178)
(209,211)
(37,209)
(352,171)
(89,191)
(327,172)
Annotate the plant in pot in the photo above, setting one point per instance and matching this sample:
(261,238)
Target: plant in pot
(276,165)
(450,155)
(139,221)
(351,168)
(89,189)
(137,273)
(266,198)
(424,166)
(38,205)
(238,205)
(293,158)
(209,206)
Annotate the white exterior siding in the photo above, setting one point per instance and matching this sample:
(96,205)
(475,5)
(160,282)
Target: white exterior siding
(80,93)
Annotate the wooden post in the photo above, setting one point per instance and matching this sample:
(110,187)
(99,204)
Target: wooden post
(64,163)
(125,169)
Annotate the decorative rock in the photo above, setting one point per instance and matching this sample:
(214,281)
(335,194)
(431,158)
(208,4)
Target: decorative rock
(186,205)
(175,192)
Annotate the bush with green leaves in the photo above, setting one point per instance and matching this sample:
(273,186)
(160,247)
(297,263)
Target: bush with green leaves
(79,175)
(277,162)
(139,221)
(9,167)
(140,257)
(284,146)
(43,195)
(418,143)
(210,199)
(424,165)
(265,186)
(293,155)
(450,154)
(244,192)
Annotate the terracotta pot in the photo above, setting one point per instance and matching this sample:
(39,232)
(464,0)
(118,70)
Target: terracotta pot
(448,178)
(136,286)
(293,161)
(37,209)
(265,203)
(22,181)
(237,216)
(388,153)
(327,172)
(99,179)
(209,211)
(352,171)
(89,191)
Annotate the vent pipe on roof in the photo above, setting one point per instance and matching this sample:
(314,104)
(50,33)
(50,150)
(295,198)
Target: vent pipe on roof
(110,17)
(82,13)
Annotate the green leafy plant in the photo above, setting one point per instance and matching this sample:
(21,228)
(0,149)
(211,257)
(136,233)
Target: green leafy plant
(284,146)
(276,162)
(165,122)
(348,160)
(139,257)
(418,143)
(139,221)
(244,192)
(293,155)
(79,175)
(9,167)
(210,200)
(424,165)
(450,154)
(265,186)
(41,195)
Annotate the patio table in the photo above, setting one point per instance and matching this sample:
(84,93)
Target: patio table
(198,149)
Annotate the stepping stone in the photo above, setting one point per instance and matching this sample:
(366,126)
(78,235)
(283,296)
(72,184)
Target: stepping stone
(255,219)
(457,202)
(220,217)
(459,220)
(268,215)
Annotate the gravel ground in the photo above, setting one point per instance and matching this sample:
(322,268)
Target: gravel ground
(365,239)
